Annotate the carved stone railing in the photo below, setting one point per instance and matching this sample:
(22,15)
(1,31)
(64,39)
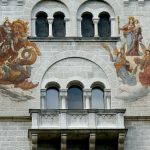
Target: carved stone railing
(77,119)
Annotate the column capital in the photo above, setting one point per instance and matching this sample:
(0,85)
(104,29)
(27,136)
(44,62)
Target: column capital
(79,19)
(112,18)
(87,93)
(63,92)
(43,92)
(50,20)
(95,20)
(66,19)
(107,92)
(33,18)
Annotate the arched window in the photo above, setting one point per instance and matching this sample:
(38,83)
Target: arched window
(97,101)
(59,26)
(104,28)
(87,26)
(42,27)
(52,98)
(75,98)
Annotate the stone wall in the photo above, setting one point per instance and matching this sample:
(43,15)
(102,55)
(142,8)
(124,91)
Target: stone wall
(138,136)
(14,135)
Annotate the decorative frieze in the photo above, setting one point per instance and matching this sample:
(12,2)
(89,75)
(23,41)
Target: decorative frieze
(16,2)
(140,2)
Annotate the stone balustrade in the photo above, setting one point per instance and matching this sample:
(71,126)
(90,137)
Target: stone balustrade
(77,119)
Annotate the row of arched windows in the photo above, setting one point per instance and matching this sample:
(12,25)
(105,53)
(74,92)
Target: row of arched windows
(75,98)
(59,25)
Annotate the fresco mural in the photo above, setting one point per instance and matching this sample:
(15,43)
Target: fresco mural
(17,54)
(131,61)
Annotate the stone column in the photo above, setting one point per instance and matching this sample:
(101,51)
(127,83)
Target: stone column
(107,99)
(121,139)
(87,98)
(113,26)
(33,26)
(92,141)
(34,141)
(95,21)
(79,27)
(63,99)
(63,142)
(43,98)
(50,21)
(67,27)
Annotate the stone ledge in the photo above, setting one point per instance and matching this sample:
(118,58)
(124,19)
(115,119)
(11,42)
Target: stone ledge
(15,118)
(137,118)
(78,110)
(73,39)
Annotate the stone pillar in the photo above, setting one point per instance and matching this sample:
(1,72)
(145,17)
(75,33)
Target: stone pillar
(63,95)
(87,98)
(79,27)
(107,99)
(50,21)
(121,139)
(67,27)
(95,21)
(33,26)
(43,98)
(34,141)
(63,142)
(113,26)
(92,141)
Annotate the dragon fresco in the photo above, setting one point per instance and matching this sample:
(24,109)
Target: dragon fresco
(17,54)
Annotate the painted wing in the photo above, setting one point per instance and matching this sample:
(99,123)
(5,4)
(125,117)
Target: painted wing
(143,47)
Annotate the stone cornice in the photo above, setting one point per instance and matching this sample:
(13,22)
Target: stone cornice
(127,2)
(15,118)
(137,118)
(17,2)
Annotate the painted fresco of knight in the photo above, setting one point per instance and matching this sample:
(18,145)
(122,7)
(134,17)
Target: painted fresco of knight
(17,54)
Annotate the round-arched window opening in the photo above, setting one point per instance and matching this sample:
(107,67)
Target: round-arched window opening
(104,25)
(97,101)
(42,26)
(59,25)
(75,97)
(52,98)
(87,26)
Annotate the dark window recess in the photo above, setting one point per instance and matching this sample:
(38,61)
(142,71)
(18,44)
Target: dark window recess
(87,26)
(104,28)
(49,144)
(52,98)
(106,145)
(97,98)
(42,26)
(75,98)
(77,145)
(59,26)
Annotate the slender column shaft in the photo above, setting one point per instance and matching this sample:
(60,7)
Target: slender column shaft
(50,21)
(33,24)
(95,21)
(63,95)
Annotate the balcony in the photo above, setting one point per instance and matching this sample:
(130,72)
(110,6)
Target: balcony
(77,119)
